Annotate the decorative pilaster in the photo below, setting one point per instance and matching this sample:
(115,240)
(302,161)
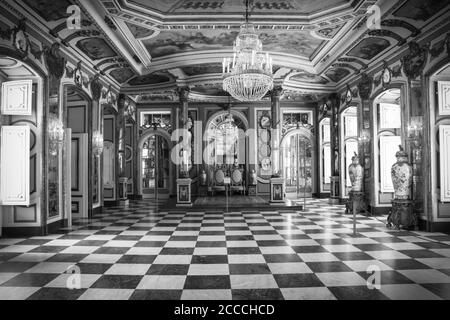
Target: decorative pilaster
(120,134)
(334,102)
(365,87)
(184,188)
(277,185)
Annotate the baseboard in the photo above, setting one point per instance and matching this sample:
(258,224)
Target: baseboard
(18,232)
(112,203)
(97,210)
(434,226)
(379,211)
(324,195)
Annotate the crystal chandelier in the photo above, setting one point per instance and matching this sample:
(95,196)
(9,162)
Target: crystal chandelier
(248,75)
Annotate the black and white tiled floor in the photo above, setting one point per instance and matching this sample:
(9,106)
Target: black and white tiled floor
(134,253)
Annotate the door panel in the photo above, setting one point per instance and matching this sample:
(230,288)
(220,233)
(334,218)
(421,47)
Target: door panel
(79,175)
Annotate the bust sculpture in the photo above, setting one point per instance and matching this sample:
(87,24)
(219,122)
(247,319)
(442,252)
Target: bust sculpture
(355,171)
(402,174)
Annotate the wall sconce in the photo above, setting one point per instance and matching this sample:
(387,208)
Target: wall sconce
(55,131)
(97,143)
(415,130)
(364,139)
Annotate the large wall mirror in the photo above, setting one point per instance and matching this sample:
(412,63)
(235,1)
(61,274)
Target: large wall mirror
(348,144)
(388,132)
(325,155)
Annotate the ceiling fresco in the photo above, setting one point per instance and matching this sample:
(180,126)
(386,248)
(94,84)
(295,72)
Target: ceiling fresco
(50,10)
(149,79)
(172,42)
(139,32)
(141,42)
(237,6)
(337,74)
(200,69)
(368,48)
(421,9)
(178,41)
(122,75)
(95,48)
(304,76)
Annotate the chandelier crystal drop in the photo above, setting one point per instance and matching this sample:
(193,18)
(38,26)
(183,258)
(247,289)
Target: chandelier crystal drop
(248,75)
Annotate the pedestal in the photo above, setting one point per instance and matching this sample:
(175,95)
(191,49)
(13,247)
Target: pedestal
(277,192)
(252,190)
(334,192)
(184,192)
(402,215)
(203,191)
(355,198)
(123,191)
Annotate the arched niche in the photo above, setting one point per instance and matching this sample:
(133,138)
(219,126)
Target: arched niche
(156,172)
(298,162)
(325,156)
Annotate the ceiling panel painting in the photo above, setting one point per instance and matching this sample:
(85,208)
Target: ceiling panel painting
(304,76)
(139,32)
(149,79)
(237,6)
(369,48)
(122,75)
(202,69)
(95,48)
(172,42)
(50,10)
(296,43)
(337,74)
(421,9)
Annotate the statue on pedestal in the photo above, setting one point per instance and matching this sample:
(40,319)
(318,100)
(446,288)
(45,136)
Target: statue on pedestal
(355,171)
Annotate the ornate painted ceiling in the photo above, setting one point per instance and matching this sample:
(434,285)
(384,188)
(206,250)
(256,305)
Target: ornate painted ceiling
(151,47)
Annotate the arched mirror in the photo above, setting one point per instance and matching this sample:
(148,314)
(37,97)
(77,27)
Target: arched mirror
(388,132)
(348,145)
(325,156)
(155,165)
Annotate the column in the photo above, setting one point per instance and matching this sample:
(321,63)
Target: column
(277,185)
(120,134)
(334,102)
(184,188)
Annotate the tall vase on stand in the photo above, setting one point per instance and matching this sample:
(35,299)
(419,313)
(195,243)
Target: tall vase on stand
(402,214)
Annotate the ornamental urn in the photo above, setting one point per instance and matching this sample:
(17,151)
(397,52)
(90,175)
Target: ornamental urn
(402,176)
(355,171)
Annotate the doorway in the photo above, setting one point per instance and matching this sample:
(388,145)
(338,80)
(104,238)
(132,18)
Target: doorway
(297,156)
(155,167)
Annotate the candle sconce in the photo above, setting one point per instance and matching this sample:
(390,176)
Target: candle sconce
(415,132)
(55,129)
(364,140)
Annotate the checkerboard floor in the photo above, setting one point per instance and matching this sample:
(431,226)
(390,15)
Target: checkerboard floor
(135,253)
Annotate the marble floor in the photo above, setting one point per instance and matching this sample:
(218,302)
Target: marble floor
(137,253)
